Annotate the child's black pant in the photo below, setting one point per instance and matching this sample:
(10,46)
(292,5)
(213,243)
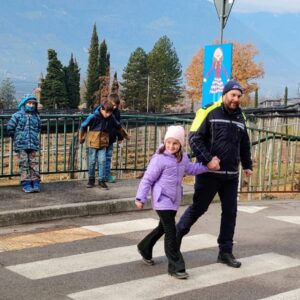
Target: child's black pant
(166,226)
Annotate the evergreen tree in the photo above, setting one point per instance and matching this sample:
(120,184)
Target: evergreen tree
(72,79)
(256,98)
(115,85)
(53,88)
(165,75)
(7,94)
(92,83)
(104,71)
(135,78)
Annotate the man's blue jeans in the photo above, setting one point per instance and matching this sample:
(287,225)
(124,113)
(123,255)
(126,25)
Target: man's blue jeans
(99,156)
(109,151)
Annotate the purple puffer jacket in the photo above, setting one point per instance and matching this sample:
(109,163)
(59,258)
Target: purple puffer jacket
(164,177)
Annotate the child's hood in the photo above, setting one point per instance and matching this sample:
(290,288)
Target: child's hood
(25,99)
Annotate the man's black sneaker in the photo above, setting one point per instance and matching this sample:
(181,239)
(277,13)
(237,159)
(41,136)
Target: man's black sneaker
(103,185)
(228,259)
(179,275)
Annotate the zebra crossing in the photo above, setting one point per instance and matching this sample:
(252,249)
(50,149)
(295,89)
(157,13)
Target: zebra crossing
(161,286)
(158,285)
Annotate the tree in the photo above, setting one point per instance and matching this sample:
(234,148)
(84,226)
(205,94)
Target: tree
(244,70)
(115,85)
(72,80)
(7,94)
(53,88)
(135,78)
(104,71)
(92,83)
(165,75)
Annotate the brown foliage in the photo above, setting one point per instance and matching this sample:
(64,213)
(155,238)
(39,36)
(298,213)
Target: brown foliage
(244,70)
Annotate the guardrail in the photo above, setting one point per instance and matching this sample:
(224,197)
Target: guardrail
(276,155)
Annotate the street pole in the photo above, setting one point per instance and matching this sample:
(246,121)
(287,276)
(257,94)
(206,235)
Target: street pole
(148,92)
(222,20)
(223,8)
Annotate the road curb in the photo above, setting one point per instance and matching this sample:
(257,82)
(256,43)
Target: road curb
(72,210)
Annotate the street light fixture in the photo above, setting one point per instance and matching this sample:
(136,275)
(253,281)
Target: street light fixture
(223,8)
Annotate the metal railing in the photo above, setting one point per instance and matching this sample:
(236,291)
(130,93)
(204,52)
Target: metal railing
(276,155)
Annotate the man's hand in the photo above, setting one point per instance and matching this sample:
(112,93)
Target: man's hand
(248,172)
(214,164)
(139,204)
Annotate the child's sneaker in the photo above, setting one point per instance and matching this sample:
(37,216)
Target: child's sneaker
(36,186)
(103,185)
(111,179)
(26,185)
(91,183)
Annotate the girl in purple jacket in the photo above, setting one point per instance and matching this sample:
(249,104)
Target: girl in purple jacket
(163,177)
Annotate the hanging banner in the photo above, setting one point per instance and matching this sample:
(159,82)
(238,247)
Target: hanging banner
(216,71)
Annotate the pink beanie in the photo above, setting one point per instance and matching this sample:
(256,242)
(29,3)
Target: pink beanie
(176,132)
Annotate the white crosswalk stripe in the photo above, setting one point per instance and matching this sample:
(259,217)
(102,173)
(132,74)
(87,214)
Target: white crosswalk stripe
(88,261)
(288,219)
(291,295)
(161,285)
(250,209)
(124,227)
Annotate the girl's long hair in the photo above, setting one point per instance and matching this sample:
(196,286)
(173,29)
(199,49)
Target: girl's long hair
(178,154)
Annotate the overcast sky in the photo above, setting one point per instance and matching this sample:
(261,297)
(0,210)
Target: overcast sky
(272,6)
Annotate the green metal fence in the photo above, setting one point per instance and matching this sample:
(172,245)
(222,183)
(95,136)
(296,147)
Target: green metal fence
(276,155)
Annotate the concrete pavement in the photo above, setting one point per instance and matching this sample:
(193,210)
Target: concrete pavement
(66,199)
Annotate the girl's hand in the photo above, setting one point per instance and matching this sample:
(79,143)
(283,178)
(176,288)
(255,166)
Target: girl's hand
(139,204)
(248,172)
(214,164)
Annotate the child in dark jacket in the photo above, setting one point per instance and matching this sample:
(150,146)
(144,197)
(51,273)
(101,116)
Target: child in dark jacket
(100,123)
(163,177)
(113,136)
(24,128)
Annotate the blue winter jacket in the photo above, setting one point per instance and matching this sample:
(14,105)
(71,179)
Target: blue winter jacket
(97,122)
(164,178)
(24,127)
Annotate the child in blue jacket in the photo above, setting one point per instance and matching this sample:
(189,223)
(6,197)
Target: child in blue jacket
(24,128)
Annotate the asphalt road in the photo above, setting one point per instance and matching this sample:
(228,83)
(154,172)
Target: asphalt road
(96,257)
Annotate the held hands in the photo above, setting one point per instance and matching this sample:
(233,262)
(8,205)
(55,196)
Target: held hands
(248,172)
(139,204)
(214,164)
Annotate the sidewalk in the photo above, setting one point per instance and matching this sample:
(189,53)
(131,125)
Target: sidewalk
(67,199)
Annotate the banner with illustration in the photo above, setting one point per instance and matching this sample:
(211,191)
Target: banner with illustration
(216,71)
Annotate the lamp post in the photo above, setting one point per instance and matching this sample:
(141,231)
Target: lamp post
(223,8)
(148,93)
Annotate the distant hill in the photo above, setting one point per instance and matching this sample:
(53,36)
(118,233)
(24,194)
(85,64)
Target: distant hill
(29,28)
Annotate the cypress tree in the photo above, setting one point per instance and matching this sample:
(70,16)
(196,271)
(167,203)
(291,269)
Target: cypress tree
(104,71)
(53,88)
(115,85)
(256,98)
(285,95)
(92,83)
(72,77)
(135,79)
(165,75)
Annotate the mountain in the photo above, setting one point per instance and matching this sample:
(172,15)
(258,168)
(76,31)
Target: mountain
(29,28)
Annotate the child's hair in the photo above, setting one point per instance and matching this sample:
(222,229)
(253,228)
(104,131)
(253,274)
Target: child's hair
(107,105)
(178,154)
(114,98)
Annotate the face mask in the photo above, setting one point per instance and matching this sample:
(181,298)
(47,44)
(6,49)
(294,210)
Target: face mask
(30,108)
